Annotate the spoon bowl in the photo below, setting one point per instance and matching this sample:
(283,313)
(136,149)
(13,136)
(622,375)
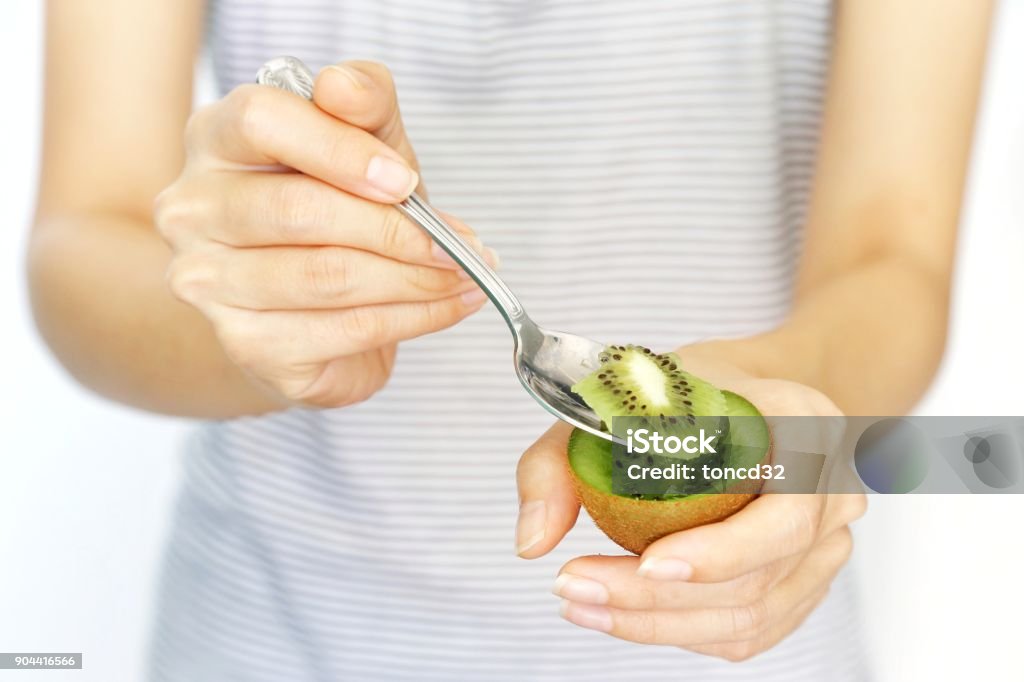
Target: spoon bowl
(548,363)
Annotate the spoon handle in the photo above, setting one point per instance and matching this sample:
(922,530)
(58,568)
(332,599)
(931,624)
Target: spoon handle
(420,212)
(289,73)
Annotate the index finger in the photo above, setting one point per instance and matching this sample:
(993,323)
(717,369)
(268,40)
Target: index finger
(258,125)
(770,528)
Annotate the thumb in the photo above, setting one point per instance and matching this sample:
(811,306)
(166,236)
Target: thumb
(363,94)
(547,502)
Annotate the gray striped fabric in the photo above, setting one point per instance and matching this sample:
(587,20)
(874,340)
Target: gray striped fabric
(642,168)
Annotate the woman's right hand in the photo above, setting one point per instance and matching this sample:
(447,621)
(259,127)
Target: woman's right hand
(285,237)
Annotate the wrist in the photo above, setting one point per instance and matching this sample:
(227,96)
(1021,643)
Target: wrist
(776,354)
(727,358)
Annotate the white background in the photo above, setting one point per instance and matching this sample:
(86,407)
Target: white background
(86,486)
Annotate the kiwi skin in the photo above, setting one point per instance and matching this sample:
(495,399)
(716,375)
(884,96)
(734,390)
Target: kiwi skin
(634,524)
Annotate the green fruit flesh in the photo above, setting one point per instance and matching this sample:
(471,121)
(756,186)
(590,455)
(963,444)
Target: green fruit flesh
(635,382)
(744,444)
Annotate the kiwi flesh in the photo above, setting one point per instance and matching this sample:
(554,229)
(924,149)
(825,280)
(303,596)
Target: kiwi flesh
(674,399)
(632,381)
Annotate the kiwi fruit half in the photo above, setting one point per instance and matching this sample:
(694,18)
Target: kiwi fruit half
(632,381)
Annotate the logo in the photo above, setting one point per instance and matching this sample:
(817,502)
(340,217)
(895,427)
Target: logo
(642,441)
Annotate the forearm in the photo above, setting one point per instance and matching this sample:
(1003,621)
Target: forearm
(869,338)
(102,304)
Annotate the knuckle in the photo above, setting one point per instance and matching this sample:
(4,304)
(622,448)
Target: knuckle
(427,281)
(345,151)
(326,273)
(738,652)
(441,314)
(235,342)
(647,596)
(174,216)
(295,206)
(434,316)
(161,201)
(162,216)
(196,126)
(241,344)
(315,391)
(749,620)
(190,278)
(364,327)
(249,344)
(755,585)
(369,382)
(645,628)
(845,544)
(803,525)
(248,106)
(857,504)
(393,237)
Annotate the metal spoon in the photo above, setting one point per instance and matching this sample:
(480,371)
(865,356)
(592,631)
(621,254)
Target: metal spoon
(546,362)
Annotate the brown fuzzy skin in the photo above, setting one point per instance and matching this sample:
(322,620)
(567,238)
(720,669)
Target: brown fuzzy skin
(635,524)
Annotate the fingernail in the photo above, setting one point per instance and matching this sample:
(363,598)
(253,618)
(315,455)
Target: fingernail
(353,77)
(580,589)
(587,615)
(530,526)
(391,177)
(665,569)
(473,297)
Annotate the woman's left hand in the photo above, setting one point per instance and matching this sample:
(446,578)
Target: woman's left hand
(731,589)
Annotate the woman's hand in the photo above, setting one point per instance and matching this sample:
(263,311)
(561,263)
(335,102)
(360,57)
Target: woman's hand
(284,238)
(731,589)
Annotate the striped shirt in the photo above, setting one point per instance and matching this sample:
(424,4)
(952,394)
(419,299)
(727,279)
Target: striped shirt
(643,169)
